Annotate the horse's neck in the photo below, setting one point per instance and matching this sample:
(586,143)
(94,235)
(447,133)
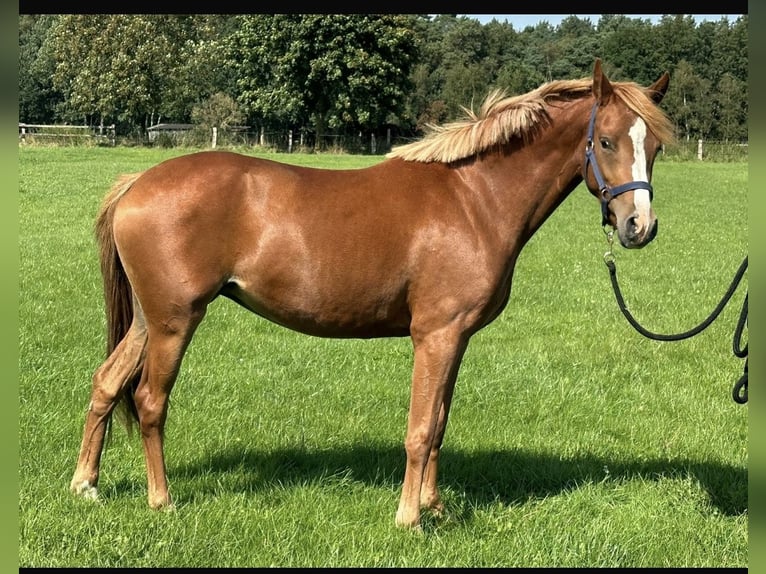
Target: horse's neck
(526,183)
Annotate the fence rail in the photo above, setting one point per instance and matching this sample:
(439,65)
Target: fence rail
(70,134)
(299,141)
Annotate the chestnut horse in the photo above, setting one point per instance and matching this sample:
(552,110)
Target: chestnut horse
(422,244)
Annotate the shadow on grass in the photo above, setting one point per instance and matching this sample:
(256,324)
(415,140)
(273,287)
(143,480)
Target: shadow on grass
(483,477)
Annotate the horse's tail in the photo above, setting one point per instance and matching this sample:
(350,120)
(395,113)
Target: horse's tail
(118,294)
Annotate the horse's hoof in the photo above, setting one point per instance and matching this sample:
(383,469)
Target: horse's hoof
(164,505)
(85,490)
(437,510)
(414,528)
(413,525)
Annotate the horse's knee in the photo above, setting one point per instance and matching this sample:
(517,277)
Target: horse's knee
(122,366)
(418,444)
(151,409)
(104,395)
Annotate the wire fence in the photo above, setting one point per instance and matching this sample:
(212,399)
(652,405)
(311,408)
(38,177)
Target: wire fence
(289,141)
(707,150)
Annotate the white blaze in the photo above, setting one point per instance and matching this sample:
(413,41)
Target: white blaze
(641,198)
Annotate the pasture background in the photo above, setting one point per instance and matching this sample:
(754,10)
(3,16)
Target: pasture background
(573,441)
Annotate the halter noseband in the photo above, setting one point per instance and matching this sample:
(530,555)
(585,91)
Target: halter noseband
(607,193)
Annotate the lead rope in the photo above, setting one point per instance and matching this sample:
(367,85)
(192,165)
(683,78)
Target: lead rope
(739,390)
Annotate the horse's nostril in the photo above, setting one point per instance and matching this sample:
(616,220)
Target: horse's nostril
(653,232)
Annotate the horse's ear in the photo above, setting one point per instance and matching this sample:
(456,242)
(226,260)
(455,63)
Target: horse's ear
(658,89)
(602,88)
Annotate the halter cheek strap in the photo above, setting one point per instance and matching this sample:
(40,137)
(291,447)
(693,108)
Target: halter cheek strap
(607,193)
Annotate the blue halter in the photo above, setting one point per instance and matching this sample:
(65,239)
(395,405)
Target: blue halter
(607,193)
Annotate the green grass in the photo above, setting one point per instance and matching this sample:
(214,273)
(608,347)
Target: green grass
(573,441)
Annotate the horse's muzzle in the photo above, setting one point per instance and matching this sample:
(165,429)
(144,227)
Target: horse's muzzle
(633,235)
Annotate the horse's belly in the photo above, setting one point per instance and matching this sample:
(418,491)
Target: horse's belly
(324,310)
(332,281)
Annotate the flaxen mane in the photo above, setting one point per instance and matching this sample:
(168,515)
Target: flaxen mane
(502,118)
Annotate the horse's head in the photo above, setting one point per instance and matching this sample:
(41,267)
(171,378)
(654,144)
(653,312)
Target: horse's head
(620,153)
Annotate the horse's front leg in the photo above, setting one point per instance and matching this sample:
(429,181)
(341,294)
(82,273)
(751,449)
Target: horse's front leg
(437,360)
(429,491)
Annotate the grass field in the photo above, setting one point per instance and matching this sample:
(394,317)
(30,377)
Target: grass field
(573,440)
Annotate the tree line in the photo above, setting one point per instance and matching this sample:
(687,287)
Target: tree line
(359,74)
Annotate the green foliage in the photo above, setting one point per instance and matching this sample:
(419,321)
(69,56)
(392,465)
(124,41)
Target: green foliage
(36,92)
(126,68)
(628,48)
(219,110)
(342,74)
(328,70)
(94,72)
(731,106)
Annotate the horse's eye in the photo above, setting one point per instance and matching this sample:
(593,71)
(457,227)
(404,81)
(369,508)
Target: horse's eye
(605,143)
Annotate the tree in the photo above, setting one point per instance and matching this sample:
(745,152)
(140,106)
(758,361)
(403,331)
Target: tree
(502,43)
(463,43)
(198,74)
(98,68)
(519,77)
(353,73)
(739,49)
(336,70)
(627,44)
(219,111)
(37,96)
(424,104)
(128,68)
(465,86)
(576,44)
(688,101)
(730,95)
(540,48)
(674,40)
(422,108)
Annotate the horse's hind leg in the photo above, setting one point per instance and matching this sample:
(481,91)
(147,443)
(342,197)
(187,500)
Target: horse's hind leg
(122,366)
(168,341)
